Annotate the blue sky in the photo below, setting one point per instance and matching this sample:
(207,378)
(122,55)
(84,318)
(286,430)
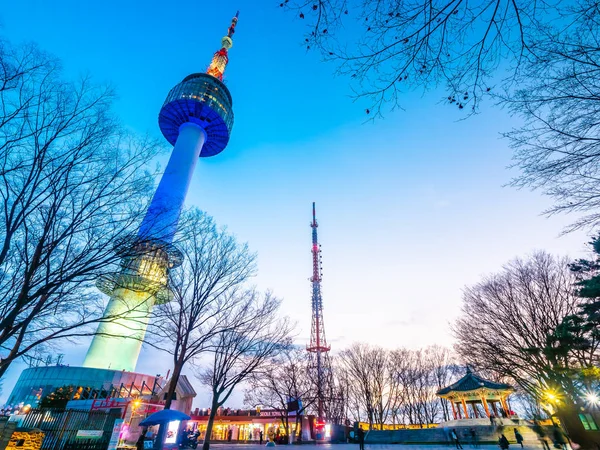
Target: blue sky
(411,208)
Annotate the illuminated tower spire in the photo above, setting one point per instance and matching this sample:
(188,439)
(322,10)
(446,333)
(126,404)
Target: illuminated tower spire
(318,347)
(220,58)
(196,118)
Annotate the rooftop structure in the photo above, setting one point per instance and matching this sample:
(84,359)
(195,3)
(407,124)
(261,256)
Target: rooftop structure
(475,397)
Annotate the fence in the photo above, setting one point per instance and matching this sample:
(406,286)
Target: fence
(60,427)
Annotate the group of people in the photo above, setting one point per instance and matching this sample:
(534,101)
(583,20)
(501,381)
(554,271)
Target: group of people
(503,441)
(559,438)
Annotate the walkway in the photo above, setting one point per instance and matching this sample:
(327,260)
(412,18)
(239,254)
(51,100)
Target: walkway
(528,445)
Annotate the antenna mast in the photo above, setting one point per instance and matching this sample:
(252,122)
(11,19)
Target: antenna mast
(318,347)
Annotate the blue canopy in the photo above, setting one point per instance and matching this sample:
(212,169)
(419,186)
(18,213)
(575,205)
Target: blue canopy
(164,416)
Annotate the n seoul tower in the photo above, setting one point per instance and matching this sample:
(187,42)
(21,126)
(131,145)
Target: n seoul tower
(196,118)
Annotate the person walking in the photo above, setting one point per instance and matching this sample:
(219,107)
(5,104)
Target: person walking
(447,436)
(361,438)
(519,438)
(260,436)
(559,438)
(455,439)
(539,430)
(474,440)
(503,442)
(139,445)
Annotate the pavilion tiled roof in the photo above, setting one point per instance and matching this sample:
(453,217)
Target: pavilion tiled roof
(472,382)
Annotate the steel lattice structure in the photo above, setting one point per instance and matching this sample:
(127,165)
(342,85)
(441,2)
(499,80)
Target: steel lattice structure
(318,347)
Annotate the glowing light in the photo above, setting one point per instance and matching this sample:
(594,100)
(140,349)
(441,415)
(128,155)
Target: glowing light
(592,398)
(120,341)
(172,429)
(551,396)
(220,58)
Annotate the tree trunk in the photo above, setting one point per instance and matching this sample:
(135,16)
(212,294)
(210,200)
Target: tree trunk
(173,384)
(162,428)
(4,367)
(298,427)
(210,423)
(569,418)
(287,426)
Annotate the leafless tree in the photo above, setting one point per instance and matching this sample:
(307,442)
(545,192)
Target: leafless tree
(350,403)
(253,336)
(366,371)
(388,47)
(506,322)
(397,386)
(214,267)
(531,406)
(508,315)
(337,394)
(282,379)
(445,371)
(72,184)
(539,59)
(557,148)
(419,374)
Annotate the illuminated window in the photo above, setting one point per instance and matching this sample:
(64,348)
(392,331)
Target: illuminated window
(588,422)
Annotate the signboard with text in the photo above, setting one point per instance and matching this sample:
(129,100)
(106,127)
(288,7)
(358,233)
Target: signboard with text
(89,434)
(116,434)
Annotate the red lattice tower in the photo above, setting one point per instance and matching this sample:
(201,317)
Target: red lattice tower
(318,348)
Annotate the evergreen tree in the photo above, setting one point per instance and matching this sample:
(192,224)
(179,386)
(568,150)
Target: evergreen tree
(588,272)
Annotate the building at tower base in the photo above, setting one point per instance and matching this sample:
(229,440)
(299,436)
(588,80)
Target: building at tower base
(36,382)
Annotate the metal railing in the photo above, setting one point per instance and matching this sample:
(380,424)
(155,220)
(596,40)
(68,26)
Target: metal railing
(60,427)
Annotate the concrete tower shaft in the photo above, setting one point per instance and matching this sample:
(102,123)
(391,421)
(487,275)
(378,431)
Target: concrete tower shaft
(196,117)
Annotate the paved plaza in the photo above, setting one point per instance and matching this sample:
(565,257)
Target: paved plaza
(528,445)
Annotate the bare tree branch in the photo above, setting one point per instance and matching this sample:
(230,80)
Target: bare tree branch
(72,184)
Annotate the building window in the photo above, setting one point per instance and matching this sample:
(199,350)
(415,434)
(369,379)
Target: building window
(588,422)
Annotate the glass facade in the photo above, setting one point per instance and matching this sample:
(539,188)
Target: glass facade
(37,382)
(202,99)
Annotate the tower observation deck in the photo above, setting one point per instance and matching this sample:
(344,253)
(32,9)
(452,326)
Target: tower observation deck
(197,118)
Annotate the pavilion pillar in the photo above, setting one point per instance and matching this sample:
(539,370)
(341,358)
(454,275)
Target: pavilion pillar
(485,405)
(464,404)
(504,406)
(453,409)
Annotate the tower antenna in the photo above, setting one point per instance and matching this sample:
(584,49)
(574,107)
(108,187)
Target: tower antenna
(221,58)
(318,348)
